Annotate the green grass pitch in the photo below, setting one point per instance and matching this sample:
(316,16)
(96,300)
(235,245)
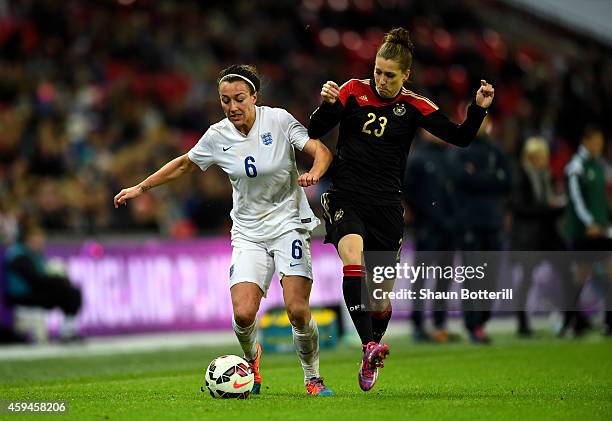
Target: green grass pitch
(511,379)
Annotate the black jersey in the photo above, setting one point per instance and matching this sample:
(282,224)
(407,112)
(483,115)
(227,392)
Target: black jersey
(375,137)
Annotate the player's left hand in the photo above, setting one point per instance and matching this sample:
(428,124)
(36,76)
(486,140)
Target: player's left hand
(307,179)
(485,94)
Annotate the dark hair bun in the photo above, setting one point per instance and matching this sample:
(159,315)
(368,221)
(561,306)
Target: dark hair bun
(399,36)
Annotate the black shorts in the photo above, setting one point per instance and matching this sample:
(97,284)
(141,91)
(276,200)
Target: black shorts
(381,227)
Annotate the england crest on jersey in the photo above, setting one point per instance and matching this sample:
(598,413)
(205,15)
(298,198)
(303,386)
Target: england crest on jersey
(266,138)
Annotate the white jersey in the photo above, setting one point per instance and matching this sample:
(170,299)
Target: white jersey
(267,200)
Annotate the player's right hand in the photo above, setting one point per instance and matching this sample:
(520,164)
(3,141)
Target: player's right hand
(330,92)
(308,179)
(126,194)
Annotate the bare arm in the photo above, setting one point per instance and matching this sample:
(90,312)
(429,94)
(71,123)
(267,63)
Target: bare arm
(172,170)
(322,160)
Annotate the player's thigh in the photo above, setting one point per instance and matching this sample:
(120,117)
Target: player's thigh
(293,261)
(250,275)
(246,297)
(296,294)
(296,289)
(384,229)
(345,227)
(350,249)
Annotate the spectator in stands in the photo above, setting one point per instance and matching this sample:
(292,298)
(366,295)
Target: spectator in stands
(79,102)
(29,283)
(429,192)
(586,223)
(535,236)
(483,179)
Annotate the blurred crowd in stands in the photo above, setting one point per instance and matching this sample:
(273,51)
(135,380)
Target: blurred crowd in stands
(97,95)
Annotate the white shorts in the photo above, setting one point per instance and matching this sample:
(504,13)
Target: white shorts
(256,262)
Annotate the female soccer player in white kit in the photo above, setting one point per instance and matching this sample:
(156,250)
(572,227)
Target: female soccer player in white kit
(271,217)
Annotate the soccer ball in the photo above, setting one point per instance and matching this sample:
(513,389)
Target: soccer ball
(228,377)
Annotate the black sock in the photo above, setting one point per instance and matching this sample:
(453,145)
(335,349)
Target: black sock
(380,321)
(352,284)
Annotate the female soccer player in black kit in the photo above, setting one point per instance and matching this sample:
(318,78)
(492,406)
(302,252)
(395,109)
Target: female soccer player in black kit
(378,119)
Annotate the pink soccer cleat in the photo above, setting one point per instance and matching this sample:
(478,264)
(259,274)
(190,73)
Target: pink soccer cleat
(373,356)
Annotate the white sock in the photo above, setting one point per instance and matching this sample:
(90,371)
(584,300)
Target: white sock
(306,341)
(247,336)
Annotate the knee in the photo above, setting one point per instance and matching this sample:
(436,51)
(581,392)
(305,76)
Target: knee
(244,315)
(351,255)
(299,314)
(350,249)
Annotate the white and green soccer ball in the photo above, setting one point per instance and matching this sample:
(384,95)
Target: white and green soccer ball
(228,377)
